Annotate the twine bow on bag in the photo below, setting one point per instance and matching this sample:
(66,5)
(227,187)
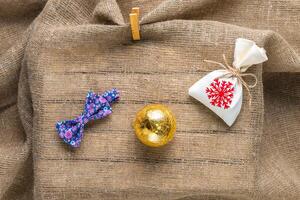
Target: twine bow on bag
(222,90)
(231,71)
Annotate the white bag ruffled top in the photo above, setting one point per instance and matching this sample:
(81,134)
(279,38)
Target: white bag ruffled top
(222,90)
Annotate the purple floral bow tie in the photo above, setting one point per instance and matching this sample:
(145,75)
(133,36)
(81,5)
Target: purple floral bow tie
(96,107)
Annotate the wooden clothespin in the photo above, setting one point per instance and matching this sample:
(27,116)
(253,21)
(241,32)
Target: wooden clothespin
(134,23)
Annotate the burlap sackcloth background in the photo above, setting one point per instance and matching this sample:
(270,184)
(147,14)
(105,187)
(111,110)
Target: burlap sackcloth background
(52,53)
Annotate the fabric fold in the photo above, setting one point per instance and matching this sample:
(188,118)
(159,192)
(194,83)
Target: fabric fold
(108,12)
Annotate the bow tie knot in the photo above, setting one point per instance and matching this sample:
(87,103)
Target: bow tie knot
(96,107)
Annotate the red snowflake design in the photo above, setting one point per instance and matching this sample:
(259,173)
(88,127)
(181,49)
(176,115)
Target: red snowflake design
(220,93)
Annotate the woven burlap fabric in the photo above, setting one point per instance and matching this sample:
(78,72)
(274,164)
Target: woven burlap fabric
(54,52)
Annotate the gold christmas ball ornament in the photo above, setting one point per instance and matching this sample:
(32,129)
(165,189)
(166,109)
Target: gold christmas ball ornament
(155,125)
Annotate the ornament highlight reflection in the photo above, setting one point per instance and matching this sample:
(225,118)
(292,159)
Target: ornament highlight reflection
(155,125)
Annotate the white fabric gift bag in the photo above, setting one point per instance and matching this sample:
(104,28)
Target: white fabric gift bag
(222,90)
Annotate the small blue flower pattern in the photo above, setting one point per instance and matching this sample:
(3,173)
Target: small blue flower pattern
(96,107)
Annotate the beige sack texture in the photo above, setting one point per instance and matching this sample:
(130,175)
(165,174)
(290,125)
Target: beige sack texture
(53,52)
